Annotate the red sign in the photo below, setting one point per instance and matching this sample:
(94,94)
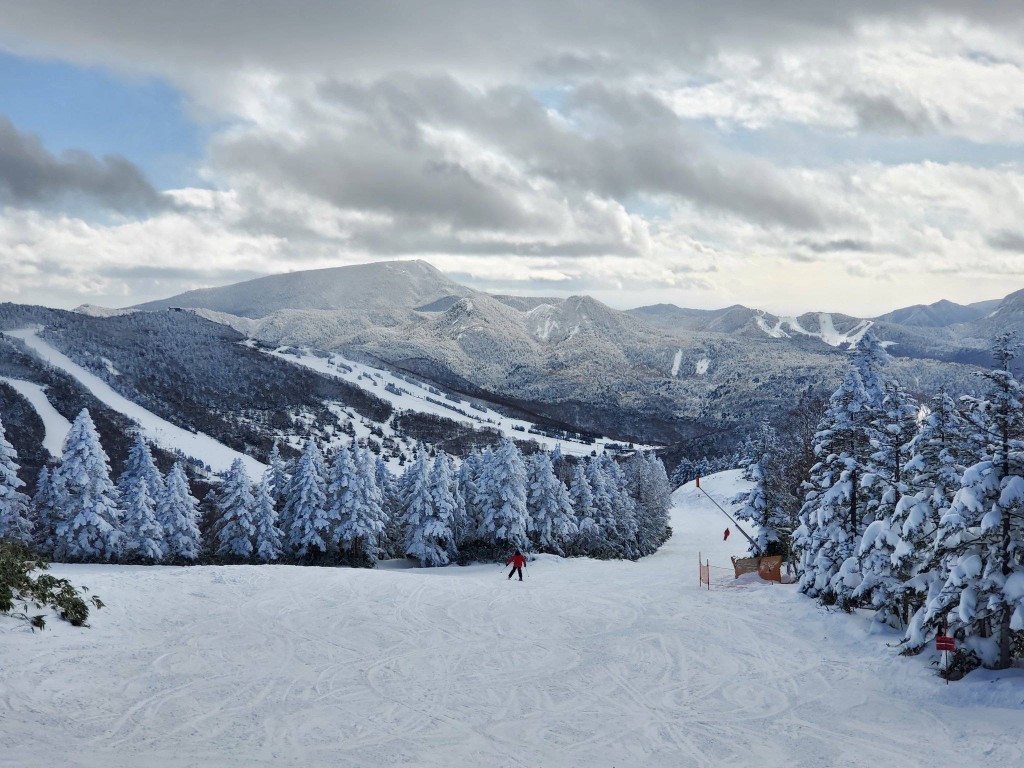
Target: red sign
(943,643)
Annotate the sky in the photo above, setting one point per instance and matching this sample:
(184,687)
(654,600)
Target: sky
(791,156)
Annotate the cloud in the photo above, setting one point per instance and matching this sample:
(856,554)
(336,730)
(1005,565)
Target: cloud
(30,175)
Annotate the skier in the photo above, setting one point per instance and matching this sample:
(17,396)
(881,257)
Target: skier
(517,561)
(726,537)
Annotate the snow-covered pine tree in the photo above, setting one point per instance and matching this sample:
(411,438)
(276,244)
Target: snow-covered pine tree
(881,581)
(359,509)
(554,525)
(44,512)
(267,546)
(143,536)
(604,510)
(140,465)
(140,487)
(427,533)
(304,520)
(461,524)
(235,528)
(14,505)
(393,541)
(983,597)
(764,504)
(178,514)
(442,482)
(89,517)
(654,500)
(623,505)
(832,517)
(278,475)
(470,474)
(591,539)
(504,521)
(933,477)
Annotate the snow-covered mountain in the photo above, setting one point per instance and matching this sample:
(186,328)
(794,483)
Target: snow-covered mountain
(655,374)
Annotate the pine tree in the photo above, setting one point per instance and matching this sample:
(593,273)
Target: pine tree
(45,512)
(470,474)
(504,520)
(89,518)
(442,483)
(591,539)
(236,528)
(764,504)
(623,507)
(881,579)
(832,518)
(140,466)
(393,541)
(278,482)
(359,508)
(307,526)
(553,525)
(14,505)
(267,545)
(604,510)
(178,514)
(427,532)
(140,487)
(143,537)
(933,476)
(982,534)
(651,490)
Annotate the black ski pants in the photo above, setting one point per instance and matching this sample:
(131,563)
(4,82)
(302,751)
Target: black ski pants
(514,569)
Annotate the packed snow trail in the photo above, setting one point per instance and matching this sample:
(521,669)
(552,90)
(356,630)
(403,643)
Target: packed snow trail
(584,663)
(160,431)
(55,426)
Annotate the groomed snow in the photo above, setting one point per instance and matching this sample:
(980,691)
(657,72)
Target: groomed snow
(55,426)
(585,663)
(414,397)
(160,431)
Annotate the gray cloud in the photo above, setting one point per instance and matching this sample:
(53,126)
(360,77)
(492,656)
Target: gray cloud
(1007,240)
(480,36)
(30,175)
(382,148)
(883,114)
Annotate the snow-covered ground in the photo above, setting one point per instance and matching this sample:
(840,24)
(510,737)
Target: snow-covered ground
(413,396)
(55,426)
(160,431)
(585,663)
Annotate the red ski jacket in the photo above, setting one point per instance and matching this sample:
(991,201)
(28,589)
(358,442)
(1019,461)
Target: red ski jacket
(516,560)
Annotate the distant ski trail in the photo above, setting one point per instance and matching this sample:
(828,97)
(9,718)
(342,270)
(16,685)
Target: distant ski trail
(55,426)
(160,431)
(585,663)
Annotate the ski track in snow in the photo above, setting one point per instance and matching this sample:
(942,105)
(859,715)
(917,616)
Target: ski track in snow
(160,431)
(55,426)
(413,397)
(584,663)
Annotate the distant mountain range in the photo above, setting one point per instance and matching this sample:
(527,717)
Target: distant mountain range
(697,379)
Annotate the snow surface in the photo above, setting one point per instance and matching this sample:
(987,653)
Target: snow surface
(156,429)
(414,396)
(702,366)
(676,362)
(585,663)
(827,330)
(55,426)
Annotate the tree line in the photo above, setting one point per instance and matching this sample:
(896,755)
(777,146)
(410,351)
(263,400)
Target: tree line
(344,508)
(912,510)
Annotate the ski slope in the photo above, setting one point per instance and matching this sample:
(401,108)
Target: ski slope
(414,396)
(585,663)
(55,426)
(160,431)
